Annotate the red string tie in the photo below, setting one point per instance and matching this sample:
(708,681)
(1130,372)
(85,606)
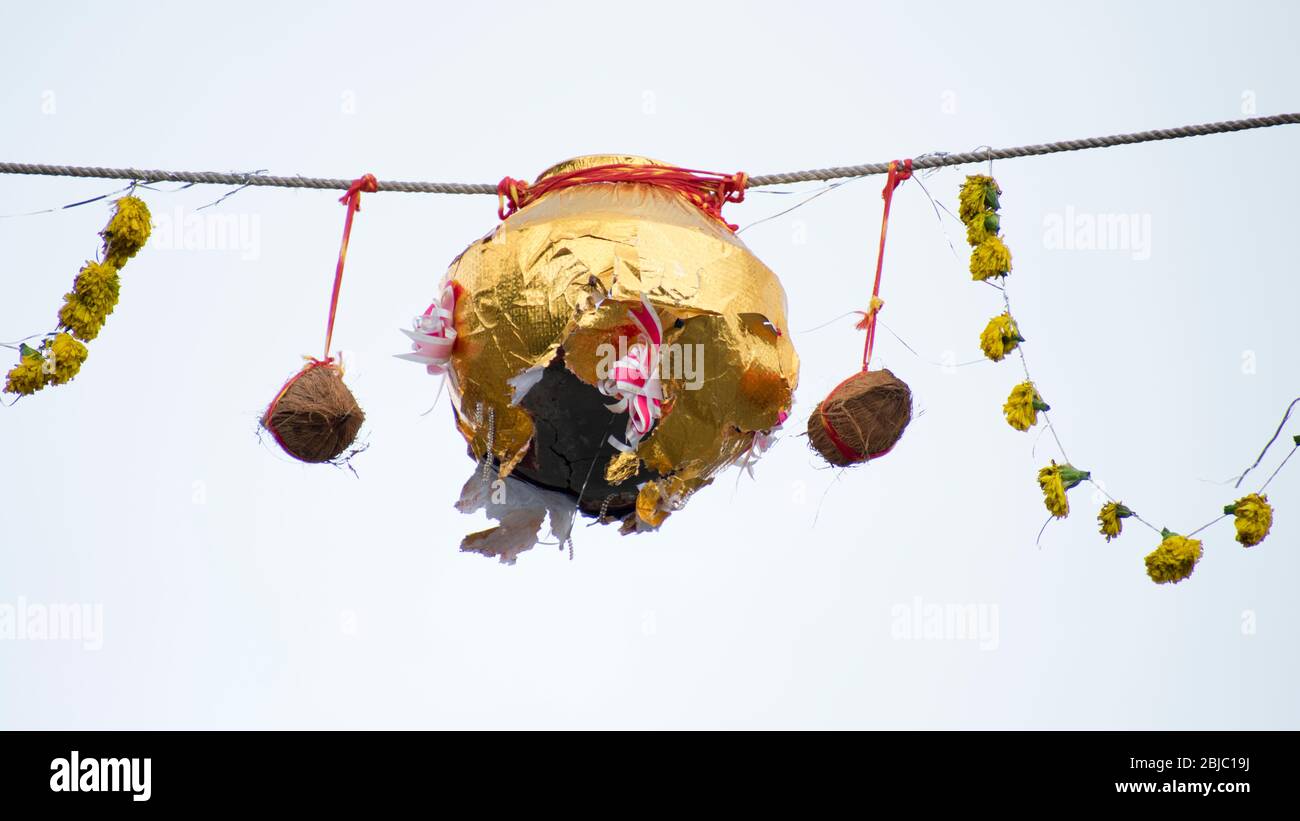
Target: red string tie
(897,174)
(706,190)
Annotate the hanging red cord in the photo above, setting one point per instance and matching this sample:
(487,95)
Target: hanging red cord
(352,199)
(707,190)
(896,177)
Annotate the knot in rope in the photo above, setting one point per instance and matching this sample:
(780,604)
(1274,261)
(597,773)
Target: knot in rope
(512,192)
(352,197)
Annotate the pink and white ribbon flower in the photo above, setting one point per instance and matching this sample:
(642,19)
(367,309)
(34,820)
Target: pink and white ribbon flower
(634,379)
(434,334)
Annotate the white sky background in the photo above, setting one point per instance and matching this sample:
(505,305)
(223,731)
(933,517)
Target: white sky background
(240,589)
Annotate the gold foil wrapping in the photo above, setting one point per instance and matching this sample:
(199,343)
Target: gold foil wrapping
(563,271)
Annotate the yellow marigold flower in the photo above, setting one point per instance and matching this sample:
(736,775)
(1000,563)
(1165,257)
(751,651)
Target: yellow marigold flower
(66,356)
(1023,405)
(98,286)
(127,232)
(28,376)
(94,296)
(1254,518)
(981,227)
(1110,517)
(1055,480)
(80,320)
(1174,559)
(1049,479)
(991,258)
(978,193)
(1000,337)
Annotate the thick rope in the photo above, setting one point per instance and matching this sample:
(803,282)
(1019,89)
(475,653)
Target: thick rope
(943,160)
(923,162)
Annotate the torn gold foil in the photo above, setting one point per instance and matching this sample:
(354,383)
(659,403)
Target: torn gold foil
(659,498)
(622,467)
(648,507)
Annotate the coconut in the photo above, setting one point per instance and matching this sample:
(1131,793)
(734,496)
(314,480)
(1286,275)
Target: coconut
(315,418)
(862,418)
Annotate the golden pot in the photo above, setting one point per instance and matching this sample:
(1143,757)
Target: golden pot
(543,298)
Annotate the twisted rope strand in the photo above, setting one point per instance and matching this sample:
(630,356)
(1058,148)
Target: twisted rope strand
(869,169)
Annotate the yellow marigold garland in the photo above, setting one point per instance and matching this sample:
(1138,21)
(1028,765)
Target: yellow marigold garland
(93,297)
(1055,480)
(1111,518)
(1022,406)
(1000,337)
(1254,518)
(1174,559)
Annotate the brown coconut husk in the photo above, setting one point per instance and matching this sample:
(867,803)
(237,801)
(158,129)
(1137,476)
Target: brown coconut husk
(315,418)
(862,418)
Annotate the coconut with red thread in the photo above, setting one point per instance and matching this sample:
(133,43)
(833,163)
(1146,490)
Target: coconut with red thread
(861,419)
